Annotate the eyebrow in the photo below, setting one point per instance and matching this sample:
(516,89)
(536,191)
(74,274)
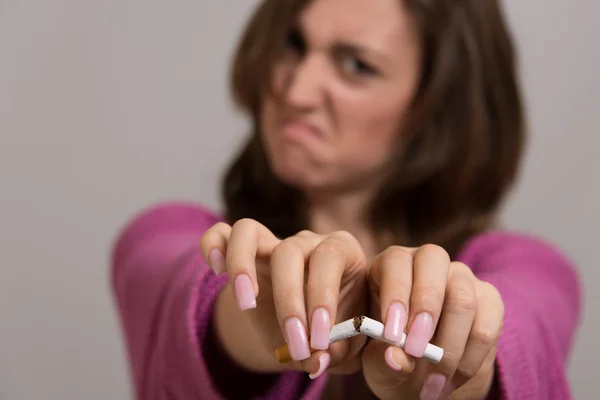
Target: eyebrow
(350,48)
(345,46)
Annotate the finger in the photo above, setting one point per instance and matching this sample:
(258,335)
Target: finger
(321,360)
(338,256)
(487,325)
(431,266)
(324,360)
(392,275)
(454,327)
(213,246)
(288,261)
(248,240)
(386,366)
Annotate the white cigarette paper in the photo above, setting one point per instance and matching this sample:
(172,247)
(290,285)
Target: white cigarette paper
(366,326)
(374,329)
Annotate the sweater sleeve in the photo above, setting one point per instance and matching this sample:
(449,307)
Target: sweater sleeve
(165,295)
(542,300)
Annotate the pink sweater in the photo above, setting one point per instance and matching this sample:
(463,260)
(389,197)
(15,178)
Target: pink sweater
(165,294)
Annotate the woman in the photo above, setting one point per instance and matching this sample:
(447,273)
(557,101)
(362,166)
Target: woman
(386,135)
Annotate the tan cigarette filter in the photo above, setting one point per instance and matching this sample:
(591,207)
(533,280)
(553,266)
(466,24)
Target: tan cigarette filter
(283,354)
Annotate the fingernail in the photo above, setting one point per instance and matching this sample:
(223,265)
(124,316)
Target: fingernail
(419,335)
(319,329)
(217,261)
(394,322)
(389,359)
(448,390)
(244,292)
(324,361)
(296,338)
(432,389)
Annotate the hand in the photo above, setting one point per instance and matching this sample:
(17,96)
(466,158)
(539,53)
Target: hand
(446,305)
(307,282)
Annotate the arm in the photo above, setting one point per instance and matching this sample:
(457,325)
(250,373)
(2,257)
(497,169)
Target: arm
(165,296)
(541,295)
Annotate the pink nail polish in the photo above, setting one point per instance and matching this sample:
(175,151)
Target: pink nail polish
(217,261)
(419,335)
(448,390)
(389,359)
(432,389)
(324,361)
(296,338)
(394,323)
(319,329)
(244,292)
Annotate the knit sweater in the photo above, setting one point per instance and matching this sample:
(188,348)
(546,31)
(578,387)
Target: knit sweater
(165,295)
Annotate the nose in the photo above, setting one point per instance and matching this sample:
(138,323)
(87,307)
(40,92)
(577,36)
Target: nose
(306,84)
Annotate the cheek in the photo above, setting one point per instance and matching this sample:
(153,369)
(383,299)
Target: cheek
(370,126)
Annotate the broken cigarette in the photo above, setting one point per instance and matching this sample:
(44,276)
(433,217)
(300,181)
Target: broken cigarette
(368,327)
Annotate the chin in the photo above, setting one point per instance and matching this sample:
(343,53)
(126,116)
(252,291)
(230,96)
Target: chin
(297,174)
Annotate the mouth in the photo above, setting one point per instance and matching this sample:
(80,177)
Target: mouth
(296,129)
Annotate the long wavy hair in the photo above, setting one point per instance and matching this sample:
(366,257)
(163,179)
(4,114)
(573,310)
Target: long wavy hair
(464,134)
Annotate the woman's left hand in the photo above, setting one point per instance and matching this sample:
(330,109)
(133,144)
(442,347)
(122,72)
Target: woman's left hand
(437,301)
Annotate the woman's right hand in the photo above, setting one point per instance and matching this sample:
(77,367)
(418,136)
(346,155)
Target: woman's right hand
(289,288)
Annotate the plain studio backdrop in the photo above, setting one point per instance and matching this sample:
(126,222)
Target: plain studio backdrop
(109,106)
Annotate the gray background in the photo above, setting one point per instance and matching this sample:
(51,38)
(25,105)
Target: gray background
(109,106)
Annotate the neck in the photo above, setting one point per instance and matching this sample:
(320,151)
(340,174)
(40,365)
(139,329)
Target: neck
(329,212)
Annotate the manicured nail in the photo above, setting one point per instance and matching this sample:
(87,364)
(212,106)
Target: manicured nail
(389,359)
(419,335)
(217,261)
(432,389)
(244,292)
(448,390)
(319,329)
(296,338)
(324,361)
(394,323)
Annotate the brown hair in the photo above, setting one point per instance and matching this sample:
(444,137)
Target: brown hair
(465,130)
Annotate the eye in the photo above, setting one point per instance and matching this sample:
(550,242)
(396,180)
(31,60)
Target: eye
(295,42)
(354,66)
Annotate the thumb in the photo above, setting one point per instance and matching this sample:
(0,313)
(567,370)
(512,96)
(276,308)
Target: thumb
(386,368)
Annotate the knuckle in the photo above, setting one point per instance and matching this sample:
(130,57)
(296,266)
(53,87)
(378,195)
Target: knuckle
(244,224)
(286,297)
(329,249)
(434,250)
(323,292)
(461,299)
(461,268)
(451,357)
(220,227)
(305,233)
(427,294)
(210,236)
(485,335)
(211,239)
(493,296)
(401,289)
(468,370)
(397,255)
(344,236)
(461,304)
(286,246)
(491,291)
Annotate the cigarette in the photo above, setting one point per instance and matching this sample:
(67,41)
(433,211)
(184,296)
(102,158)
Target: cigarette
(366,326)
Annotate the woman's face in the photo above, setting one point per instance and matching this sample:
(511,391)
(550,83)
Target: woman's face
(346,77)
